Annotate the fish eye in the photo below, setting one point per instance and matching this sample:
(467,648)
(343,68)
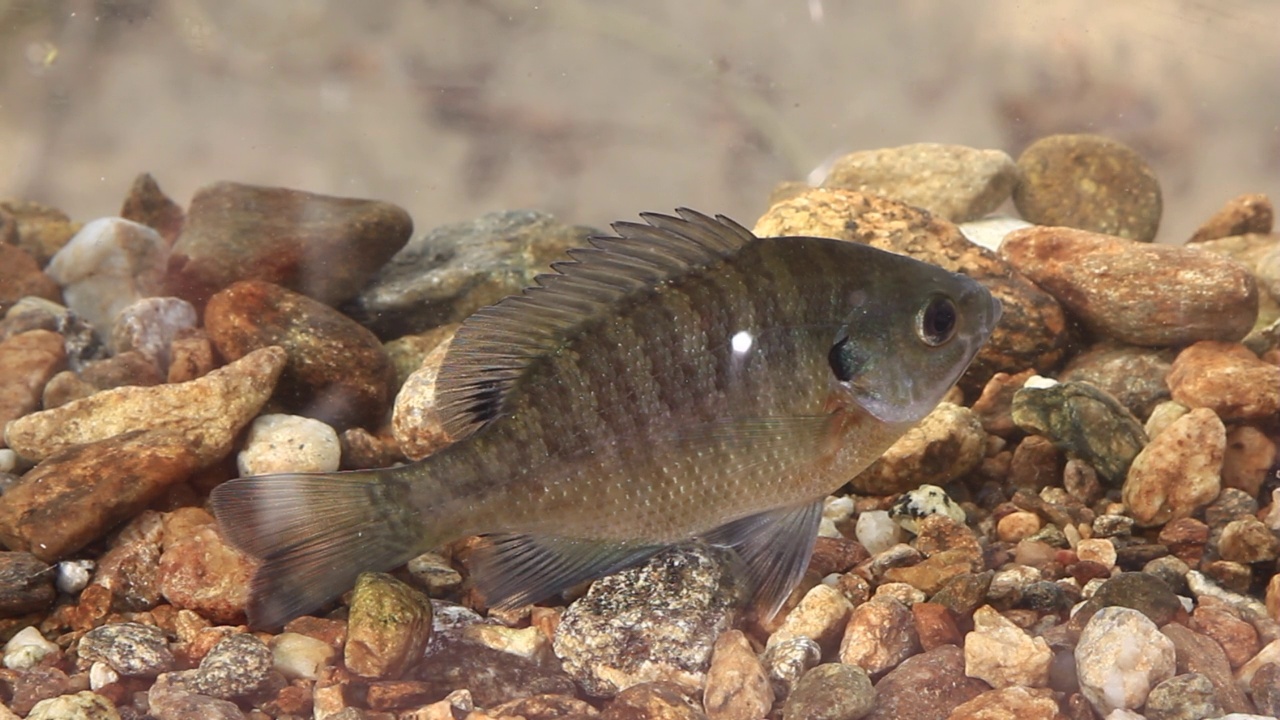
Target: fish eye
(844,359)
(936,321)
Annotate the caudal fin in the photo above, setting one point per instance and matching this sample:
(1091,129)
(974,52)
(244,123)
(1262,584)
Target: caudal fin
(314,534)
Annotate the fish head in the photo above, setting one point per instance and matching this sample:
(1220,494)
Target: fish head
(908,338)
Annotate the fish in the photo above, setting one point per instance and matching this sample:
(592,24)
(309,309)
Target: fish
(679,380)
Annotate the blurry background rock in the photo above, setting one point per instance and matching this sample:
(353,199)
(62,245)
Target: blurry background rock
(589,110)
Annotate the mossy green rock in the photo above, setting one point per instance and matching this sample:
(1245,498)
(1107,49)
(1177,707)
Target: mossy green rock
(1084,421)
(388,627)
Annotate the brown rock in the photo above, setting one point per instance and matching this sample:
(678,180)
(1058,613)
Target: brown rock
(398,694)
(63,388)
(1133,375)
(994,407)
(207,413)
(1007,703)
(1141,294)
(948,444)
(324,247)
(1091,183)
(1238,638)
(146,204)
(75,496)
(1265,689)
(337,371)
(1241,215)
(1248,541)
(39,683)
(880,635)
(42,230)
(928,686)
(821,616)
(1198,653)
(1186,539)
(199,572)
(418,427)
(545,707)
(1228,379)
(129,568)
(26,584)
(1036,464)
(1273,596)
(124,369)
(1017,525)
(1178,472)
(932,573)
(935,625)
(652,701)
(27,361)
(20,277)
(955,182)
(1032,333)
(1248,459)
(737,687)
(190,357)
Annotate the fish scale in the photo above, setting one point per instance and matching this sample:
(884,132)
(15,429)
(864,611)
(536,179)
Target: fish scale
(682,380)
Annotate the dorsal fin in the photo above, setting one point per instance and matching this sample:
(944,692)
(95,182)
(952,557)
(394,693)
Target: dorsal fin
(497,344)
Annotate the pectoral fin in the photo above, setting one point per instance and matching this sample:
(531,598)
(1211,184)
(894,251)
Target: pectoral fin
(775,547)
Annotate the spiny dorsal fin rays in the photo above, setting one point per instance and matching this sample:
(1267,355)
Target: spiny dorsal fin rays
(498,344)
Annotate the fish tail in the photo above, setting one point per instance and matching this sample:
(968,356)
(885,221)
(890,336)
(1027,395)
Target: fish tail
(314,534)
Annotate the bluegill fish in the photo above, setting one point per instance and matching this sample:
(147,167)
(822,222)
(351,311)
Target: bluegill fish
(684,379)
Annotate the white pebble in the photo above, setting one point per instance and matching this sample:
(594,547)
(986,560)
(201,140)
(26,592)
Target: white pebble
(74,575)
(838,509)
(827,528)
(296,656)
(289,443)
(924,501)
(26,649)
(1037,382)
(101,675)
(877,531)
(989,232)
(8,460)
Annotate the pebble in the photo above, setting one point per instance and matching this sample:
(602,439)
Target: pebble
(929,685)
(1011,702)
(1098,550)
(1141,294)
(433,573)
(108,265)
(965,592)
(21,277)
(544,707)
(919,503)
(27,362)
(1228,379)
(131,649)
(492,676)
(952,181)
(102,675)
(881,634)
(1264,688)
(935,625)
(148,205)
(1248,459)
(1091,183)
(1036,464)
(296,656)
(199,571)
(128,569)
(1268,655)
(388,626)
(239,665)
(946,445)
(530,642)
(337,371)
(452,271)
(1197,653)
(40,230)
(821,616)
(417,426)
(208,413)
(655,621)
(1121,655)
(278,443)
(787,661)
(79,494)
(737,686)
(84,705)
(653,701)
(990,231)
(833,691)
(1002,654)
(1268,272)
(994,407)
(1183,697)
(149,326)
(1146,594)
(1162,416)
(1178,472)
(1032,333)
(324,247)
(1084,421)
(1017,525)
(1241,215)
(1133,375)
(26,649)
(877,531)
(1239,639)
(26,584)
(170,698)
(1248,541)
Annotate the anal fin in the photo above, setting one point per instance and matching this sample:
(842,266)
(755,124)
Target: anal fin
(515,569)
(775,546)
